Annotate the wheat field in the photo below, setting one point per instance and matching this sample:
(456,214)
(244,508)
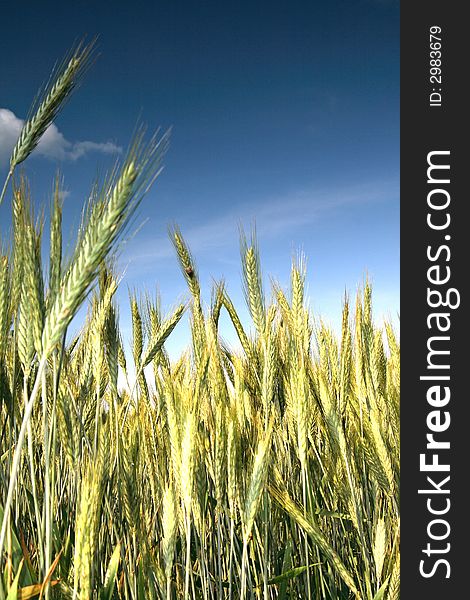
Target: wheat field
(270,471)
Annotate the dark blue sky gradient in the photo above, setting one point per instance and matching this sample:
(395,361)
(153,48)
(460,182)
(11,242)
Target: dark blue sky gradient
(282,112)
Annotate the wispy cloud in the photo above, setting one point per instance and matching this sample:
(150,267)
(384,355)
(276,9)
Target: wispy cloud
(53,144)
(63,194)
(274,218)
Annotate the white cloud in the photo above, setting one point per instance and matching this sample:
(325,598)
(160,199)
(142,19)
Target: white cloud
(53,144)
(10,127)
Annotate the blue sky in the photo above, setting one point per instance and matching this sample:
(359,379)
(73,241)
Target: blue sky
(283,113)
